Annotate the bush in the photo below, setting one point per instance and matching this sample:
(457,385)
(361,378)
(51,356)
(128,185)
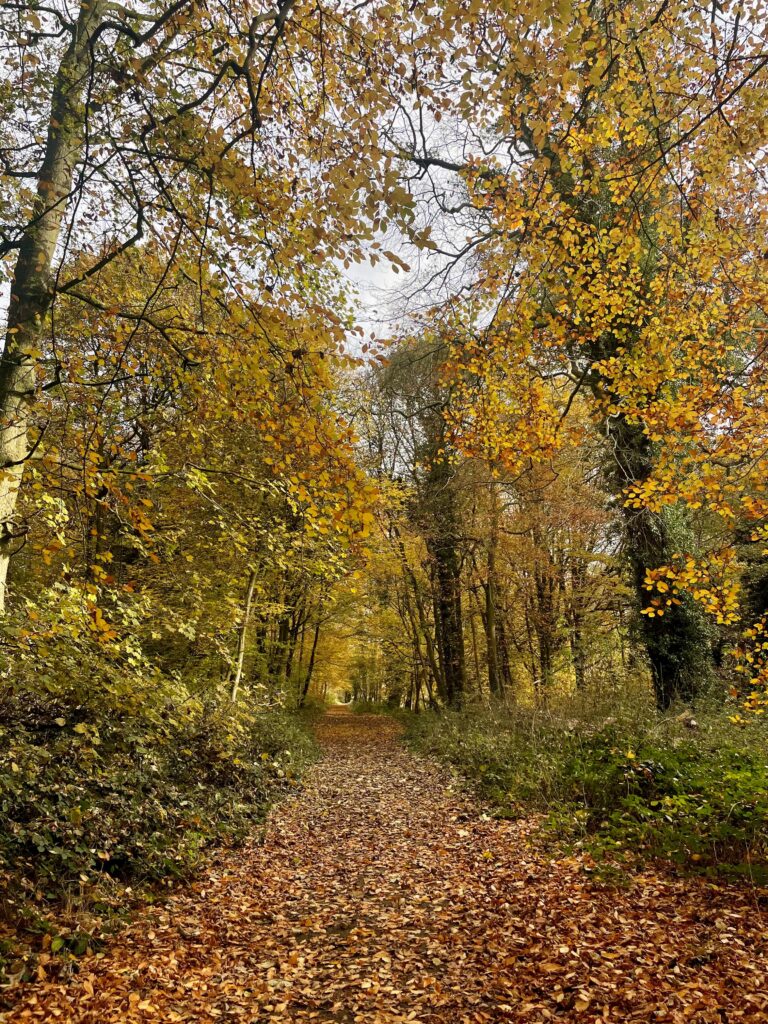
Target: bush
(101,795)
(370,707)
(693,792)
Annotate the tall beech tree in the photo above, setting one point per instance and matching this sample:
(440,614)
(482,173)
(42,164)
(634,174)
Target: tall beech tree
(240,138)
(613,168)
(411,434)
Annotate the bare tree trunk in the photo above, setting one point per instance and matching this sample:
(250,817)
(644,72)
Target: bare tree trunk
(475,652)
(443,546)
(278,654)
(416,688)
(241,635)
(311,666)
(31,291)
(302,638)
(576,621)
(504,658)
(495,680)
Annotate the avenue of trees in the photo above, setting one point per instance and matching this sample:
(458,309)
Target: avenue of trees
(220,498)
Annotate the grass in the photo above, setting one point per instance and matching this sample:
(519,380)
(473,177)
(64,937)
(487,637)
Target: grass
(619,778)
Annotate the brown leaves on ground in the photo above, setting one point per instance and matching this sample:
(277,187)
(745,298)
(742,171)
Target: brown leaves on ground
(381,895)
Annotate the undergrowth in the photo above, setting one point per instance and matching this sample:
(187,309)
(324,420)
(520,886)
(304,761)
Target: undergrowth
(108,796)
(622,781)
(370,707)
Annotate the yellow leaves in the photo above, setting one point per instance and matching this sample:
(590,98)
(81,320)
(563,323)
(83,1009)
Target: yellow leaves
(397,262)
(551,967)
(712,581)
(751,660)
(135,1002)
(652,612)
(102,630)
(501,410)
(655,290)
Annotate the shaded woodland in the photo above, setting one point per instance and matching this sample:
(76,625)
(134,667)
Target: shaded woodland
(407,355)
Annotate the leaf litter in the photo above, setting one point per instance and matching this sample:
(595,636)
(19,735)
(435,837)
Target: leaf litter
(384,894)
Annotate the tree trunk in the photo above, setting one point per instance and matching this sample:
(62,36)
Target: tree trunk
(423,624)
(278,655)
(578,653)
(449,617)
(545,617)
(241,635)
(475,652)
(503,646)
(293,639)
(545,663)
(31,290)
(576,617)
(678,643)
(311,666)
(495,680)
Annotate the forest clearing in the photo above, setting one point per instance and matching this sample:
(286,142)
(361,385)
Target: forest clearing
(383,510)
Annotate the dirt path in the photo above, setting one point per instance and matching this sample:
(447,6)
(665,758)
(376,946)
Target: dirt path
(381,895)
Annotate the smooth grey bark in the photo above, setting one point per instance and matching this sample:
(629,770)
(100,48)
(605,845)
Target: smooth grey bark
(241,635)
(32,292)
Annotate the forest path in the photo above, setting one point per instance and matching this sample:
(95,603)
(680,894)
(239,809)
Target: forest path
(383,895)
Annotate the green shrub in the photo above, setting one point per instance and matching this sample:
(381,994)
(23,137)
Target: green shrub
(694,792)
(107,798)
(98,794)
(370,707)
(312,708)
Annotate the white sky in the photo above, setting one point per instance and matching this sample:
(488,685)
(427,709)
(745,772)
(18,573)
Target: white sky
(380,296)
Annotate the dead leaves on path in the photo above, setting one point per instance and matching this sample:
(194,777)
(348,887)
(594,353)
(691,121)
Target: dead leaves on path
(382,896)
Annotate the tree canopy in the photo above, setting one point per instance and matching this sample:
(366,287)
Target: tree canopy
(231,484)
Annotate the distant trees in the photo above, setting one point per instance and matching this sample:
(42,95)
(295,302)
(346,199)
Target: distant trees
(521,574)
(612,238)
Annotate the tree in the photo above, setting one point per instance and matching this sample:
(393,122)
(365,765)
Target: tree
(237,141)
(616,240)
(537,571)
(412,437)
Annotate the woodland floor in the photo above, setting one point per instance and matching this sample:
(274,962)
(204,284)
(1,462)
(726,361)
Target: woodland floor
(383,894)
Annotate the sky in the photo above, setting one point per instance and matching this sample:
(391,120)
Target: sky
(381,294)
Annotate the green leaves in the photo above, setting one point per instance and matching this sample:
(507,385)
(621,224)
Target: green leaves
(638,783)
(142,806)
